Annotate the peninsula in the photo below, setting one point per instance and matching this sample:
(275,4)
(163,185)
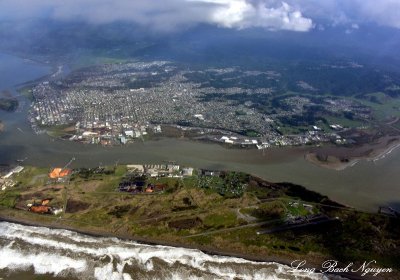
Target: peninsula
(217,211)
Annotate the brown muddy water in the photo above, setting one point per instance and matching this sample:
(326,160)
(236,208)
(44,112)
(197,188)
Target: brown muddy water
(366,185)
(41,253)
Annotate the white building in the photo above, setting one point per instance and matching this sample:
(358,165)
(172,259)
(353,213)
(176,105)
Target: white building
(129,133)
(187,171)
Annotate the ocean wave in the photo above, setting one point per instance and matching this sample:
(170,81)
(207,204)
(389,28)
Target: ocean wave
(60,252)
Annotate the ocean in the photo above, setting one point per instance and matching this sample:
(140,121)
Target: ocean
(27,252)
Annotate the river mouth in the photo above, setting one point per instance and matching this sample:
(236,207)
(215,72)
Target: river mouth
(366,185)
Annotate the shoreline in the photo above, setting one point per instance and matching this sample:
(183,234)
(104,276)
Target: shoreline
(335,163)
(142,240)
(155,242)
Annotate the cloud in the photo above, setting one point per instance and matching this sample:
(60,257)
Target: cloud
(384,12)
(347,12)
(295,15)
(163,14)
(244,14)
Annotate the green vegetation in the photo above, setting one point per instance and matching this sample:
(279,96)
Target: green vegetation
(27,92)
(220,220)
(204,210)
(383,105)
(270,210)
(32,176)
(228,184)
(9,199)
(297,210)
(8,104)
(59,130)
(251,133)
(96,58)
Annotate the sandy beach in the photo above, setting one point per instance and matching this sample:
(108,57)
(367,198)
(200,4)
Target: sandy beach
(340,158)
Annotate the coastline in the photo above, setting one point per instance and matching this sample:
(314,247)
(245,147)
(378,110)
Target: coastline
(369,152)
(155,242)
(142,240)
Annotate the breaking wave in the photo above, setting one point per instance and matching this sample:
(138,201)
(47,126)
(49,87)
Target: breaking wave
(64,253)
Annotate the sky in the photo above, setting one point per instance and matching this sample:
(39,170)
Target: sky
(171,15)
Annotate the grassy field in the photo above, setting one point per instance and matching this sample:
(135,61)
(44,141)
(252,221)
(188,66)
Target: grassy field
(384,106)
(187,213)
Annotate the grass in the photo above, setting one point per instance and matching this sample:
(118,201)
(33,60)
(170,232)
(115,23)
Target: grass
(98,216)
(27,92)
(389,106)
(150,215)
(9,198)
(58,130)
(191,182)
(298,210)
(221,220)
(270,210)
(29,176)
(291,130)
(344,122)
(202,239)
(99,58)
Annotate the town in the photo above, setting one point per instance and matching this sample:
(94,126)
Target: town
(116,104)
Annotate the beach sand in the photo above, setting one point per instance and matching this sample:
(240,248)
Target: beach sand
(340,158)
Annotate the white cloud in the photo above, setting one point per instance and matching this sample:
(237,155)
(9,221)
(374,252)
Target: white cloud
(243,14)
(296,15)
(165,14)
(347,12)
(384,12)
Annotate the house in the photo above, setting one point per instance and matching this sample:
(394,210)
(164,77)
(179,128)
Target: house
(149,189)
(187,171)
(15,170)
(129,133)
(135,167)
(40,209)
(89,134)
(59,173)
(157,129)
(210,173)
(173,167)
(136,133)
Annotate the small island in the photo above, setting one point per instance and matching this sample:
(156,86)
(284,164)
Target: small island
(220,212)
(8,104)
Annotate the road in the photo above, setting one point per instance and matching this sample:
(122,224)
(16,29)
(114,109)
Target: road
(234,228)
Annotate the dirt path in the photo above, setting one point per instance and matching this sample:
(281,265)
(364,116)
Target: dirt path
(247,218)
(37,177)
(234,228)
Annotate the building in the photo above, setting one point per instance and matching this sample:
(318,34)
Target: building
(135,167)
(187,171)
(129,133)
(57,173)
(15,170)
